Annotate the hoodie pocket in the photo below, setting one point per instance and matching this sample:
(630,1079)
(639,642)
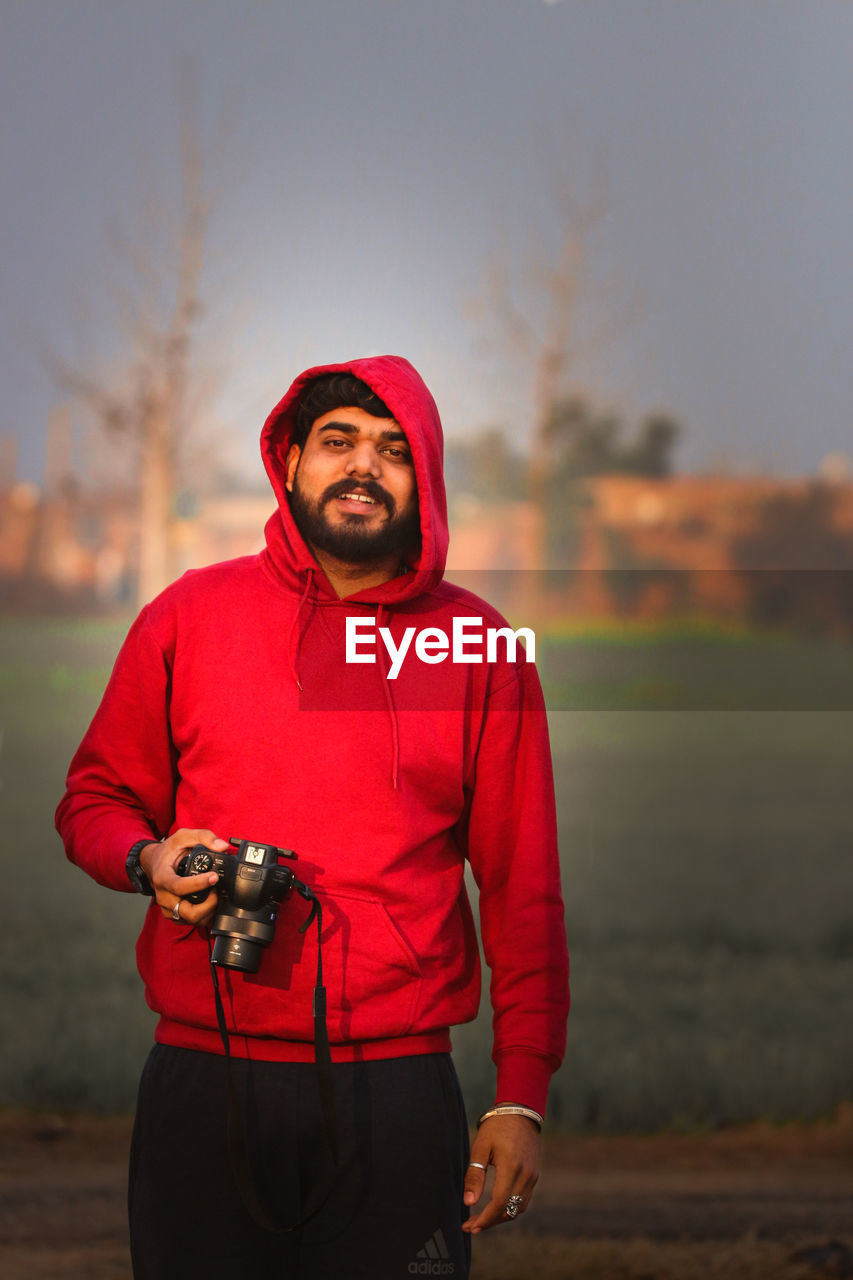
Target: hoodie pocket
(371,974)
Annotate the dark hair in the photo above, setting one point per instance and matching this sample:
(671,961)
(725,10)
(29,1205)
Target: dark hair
(334,391)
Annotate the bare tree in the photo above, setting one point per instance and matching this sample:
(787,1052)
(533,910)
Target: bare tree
(549,320)
(147,399)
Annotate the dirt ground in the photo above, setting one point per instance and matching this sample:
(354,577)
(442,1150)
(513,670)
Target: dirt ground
(759,1203)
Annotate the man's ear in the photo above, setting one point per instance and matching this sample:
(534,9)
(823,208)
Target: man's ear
(291,463)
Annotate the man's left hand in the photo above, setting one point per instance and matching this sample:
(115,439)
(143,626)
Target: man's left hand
(511,1144)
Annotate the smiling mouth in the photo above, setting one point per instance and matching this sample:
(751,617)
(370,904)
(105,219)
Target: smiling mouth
(357,497)
(361,501)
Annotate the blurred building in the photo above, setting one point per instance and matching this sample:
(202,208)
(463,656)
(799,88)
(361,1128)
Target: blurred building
(757,548)
(638,547)
(73,550)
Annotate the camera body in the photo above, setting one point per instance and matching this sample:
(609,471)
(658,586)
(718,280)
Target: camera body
(251,886)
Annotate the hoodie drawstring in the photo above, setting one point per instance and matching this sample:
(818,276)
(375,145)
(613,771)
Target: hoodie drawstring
(381,618)
(392,710)
(292,635)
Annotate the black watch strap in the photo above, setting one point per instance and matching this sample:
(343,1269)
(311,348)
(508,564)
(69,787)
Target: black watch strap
(135,874)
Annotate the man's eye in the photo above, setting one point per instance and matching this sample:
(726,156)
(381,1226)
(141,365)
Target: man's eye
(401,455)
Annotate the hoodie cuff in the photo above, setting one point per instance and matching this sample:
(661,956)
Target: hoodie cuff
(524,1078)
(107,863)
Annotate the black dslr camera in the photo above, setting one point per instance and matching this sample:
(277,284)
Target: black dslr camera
(251,886)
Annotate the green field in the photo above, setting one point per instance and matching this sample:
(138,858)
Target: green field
(706,823)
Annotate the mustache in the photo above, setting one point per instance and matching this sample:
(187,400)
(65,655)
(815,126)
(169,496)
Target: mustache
(370,487)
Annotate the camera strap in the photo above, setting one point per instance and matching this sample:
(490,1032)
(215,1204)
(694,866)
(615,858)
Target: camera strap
(322,1050)
(236,1128)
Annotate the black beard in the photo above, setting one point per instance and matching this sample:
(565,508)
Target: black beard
(351,541)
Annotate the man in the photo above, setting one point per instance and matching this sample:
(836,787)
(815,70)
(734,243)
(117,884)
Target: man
(304,698)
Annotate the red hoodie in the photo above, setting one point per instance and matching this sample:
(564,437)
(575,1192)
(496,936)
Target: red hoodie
(232,707)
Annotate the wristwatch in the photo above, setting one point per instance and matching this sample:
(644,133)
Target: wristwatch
(135,874)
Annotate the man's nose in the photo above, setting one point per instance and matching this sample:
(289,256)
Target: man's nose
(364,460)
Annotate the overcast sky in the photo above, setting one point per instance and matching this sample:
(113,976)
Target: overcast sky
(377,154)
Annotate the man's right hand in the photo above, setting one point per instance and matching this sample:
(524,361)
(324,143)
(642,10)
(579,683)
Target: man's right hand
(159,860)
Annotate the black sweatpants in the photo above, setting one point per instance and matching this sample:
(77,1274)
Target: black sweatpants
(391,1208)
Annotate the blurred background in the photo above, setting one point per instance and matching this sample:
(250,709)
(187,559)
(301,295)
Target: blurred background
(614,240)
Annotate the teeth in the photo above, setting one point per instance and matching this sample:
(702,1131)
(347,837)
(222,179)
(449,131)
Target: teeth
(361,497)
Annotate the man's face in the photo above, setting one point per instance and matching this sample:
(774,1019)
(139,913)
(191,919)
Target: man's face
(352,487)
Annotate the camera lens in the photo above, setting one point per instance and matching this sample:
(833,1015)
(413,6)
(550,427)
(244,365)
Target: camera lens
(236,953)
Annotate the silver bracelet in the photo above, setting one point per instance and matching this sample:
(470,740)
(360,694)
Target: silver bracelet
(512,1109)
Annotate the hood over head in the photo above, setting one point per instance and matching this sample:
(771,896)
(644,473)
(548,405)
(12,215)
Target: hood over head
(402,389)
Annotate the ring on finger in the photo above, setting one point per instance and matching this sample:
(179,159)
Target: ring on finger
(513,1205)
(176,911)
(475,1164)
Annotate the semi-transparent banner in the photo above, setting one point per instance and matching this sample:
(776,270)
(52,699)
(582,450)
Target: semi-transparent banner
(650,639)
